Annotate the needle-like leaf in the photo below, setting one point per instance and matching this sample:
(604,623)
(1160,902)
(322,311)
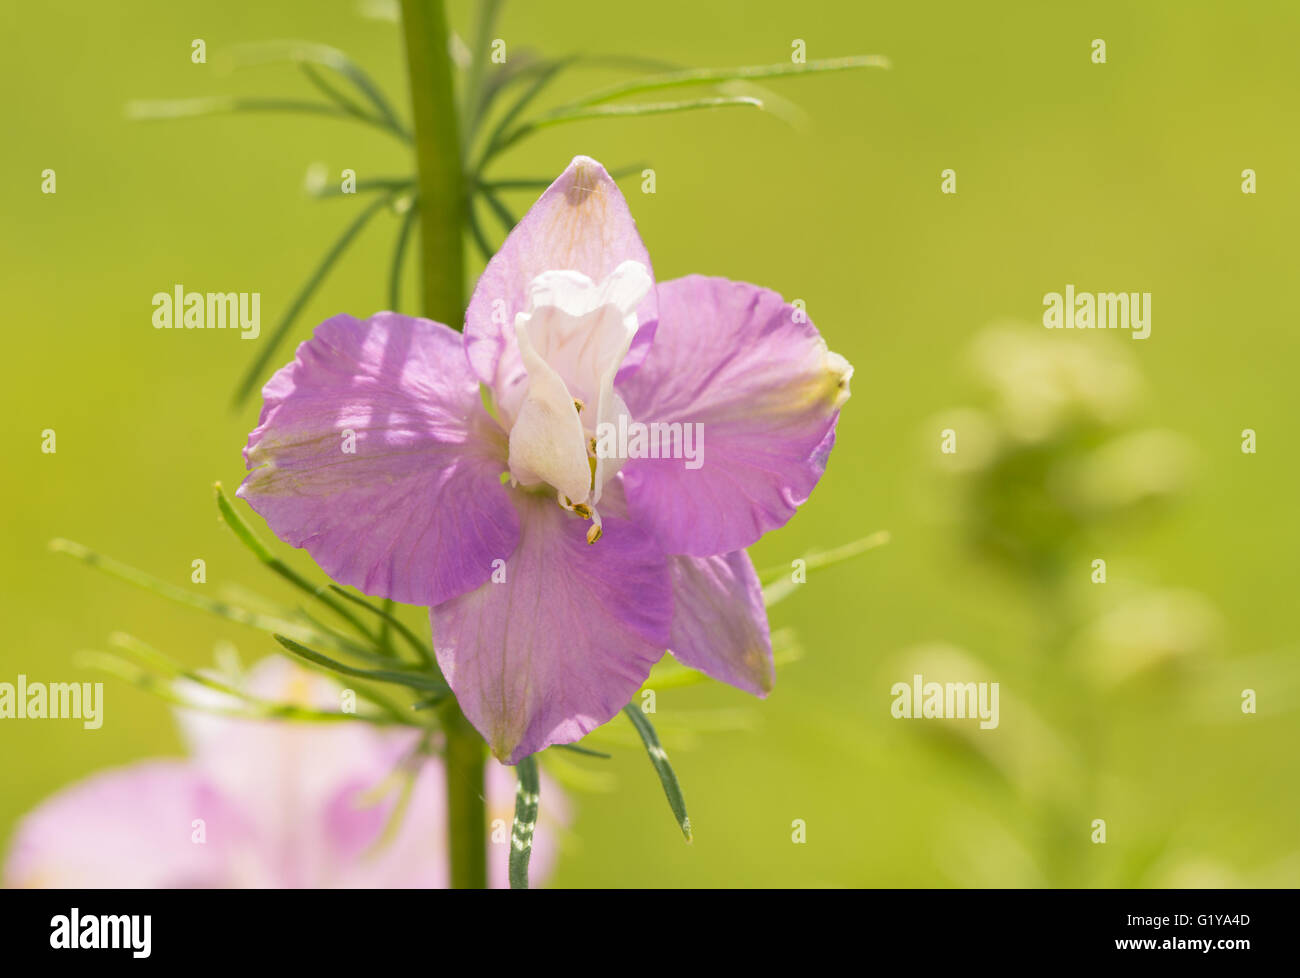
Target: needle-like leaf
(164,688)
(577,114)
(475,78)
(527,799)
(222,609)
(779,582)
(399,255)
(659,758)
(308,53)
(585,751)
(304,294)
(712,76)
(507,219)
(421,648)
(250,705)
(364,186)
(263,553)
(477,233)
(149,110)
(497,140)
(413,680)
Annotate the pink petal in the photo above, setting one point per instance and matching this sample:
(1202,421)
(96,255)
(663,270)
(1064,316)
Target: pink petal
(417,513)
(299,786)
(720,622)
(581,223)
(131,828)
(565,641)
(283,805)
(736,359)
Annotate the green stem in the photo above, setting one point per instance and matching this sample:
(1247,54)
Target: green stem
(437,161)
(442,279)
(463,757)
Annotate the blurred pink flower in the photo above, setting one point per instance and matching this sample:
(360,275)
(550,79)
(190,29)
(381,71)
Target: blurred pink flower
(265,803)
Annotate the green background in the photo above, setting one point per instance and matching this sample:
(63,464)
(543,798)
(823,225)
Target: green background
(1123,176)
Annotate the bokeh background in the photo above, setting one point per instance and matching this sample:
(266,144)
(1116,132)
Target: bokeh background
(1119,701)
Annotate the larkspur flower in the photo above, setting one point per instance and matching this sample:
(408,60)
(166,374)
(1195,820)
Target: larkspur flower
(556,578)
(281,804)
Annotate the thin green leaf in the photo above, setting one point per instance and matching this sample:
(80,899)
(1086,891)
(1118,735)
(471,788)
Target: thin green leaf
(476,232)
(475,97)
(507,219)
(399,255)
(312,53)
(524,63)
(363,186)
(413,680)
(430,702)
(164,688)
(612,111)
(255,705)
(250,539)
(406,774)
(157,110)
(421,648)
(304,294)
(659,758)
(147,110)
(385,629)
(579,777)
(498,139)
(350,646)
(222,609)
(322,85)
(711,76)
(527,799)
(779,582)
(585,751)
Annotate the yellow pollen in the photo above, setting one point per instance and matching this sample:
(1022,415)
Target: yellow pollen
(583,510)
(593,533)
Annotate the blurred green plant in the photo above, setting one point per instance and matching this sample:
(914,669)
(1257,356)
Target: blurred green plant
(1051,466)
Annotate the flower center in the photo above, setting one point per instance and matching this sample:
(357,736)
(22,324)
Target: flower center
(572,340)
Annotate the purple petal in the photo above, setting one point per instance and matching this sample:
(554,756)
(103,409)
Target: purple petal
(737,360)
(565,641)
(417,512)
(581,223)
(720,622)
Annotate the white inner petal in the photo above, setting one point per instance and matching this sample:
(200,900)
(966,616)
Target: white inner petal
(572,340)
